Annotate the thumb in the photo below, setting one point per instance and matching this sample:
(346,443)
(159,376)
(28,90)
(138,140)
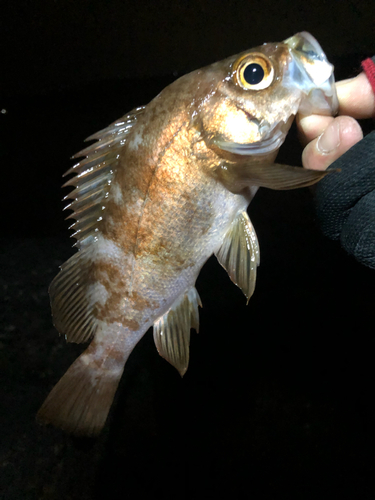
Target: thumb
(339,136)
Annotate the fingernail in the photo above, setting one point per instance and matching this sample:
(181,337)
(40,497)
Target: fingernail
(329,140)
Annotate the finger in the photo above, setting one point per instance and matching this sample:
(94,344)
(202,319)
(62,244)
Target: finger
(340,135)
(311,126)
(356,97)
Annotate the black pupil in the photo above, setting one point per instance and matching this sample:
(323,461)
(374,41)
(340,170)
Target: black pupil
(253,74)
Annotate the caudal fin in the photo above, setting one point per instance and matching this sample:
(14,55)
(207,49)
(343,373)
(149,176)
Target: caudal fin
(80,402)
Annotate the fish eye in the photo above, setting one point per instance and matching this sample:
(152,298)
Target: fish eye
(254,72)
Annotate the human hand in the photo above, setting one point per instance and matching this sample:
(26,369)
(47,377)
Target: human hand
(345,200)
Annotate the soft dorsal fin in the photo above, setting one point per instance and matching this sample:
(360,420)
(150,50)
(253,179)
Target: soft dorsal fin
(70,304)
(239,254)
(94,173)
(73,294)
(172,330)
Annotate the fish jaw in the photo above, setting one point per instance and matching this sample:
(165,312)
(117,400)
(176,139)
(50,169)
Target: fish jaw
(310,71)
(267,147)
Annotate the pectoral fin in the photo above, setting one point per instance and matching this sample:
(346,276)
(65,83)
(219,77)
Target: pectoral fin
(275,176)
(239,254)
(172,331)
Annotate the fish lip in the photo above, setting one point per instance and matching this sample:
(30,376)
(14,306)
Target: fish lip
(265,146)
(312,73)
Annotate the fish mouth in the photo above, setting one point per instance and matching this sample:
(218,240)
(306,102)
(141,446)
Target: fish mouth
(262,147)
(312,73)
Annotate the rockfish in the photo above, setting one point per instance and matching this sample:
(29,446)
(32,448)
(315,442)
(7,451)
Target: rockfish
(162,189)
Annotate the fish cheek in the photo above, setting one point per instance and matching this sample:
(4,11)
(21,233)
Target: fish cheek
(222,119)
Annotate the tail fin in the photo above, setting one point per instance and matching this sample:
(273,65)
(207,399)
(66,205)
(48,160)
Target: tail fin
(80,402)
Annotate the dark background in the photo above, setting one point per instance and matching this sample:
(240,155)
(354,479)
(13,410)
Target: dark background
(278,398)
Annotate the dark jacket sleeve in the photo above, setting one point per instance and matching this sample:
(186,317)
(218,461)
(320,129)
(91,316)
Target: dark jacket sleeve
(345,200)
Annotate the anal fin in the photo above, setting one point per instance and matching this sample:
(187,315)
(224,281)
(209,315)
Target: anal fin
(239,254)
(172,330)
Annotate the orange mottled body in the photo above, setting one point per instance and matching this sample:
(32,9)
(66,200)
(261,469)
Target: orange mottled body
(162,190)
(162,212)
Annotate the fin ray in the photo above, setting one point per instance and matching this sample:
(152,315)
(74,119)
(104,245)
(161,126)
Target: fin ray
(239,254)
(94,173)
(80,401)
(72,309)
(72,301)
(172,330)
(275,176)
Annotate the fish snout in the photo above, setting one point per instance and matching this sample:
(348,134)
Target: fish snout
(311,72)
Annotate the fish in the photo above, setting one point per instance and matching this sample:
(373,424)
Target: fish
(161,190)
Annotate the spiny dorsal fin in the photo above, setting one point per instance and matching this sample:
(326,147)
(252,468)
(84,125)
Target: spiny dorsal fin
(172,331)
(239,254)
(73,294)
(94,173)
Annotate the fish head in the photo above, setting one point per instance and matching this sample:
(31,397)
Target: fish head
(255,95)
